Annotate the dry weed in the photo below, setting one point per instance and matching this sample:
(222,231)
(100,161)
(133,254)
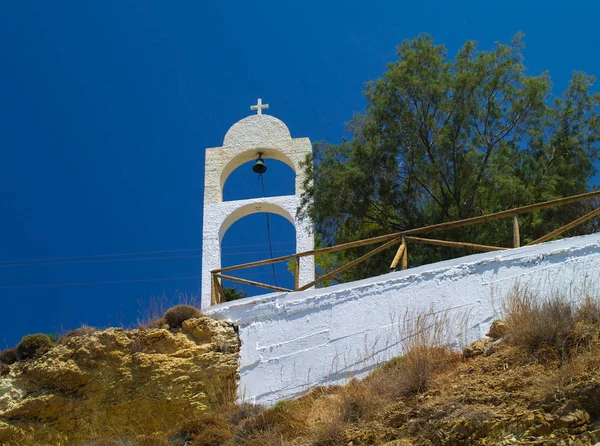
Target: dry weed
(208,429)
(588,311)
(538,325)
(426,340)
(283,421)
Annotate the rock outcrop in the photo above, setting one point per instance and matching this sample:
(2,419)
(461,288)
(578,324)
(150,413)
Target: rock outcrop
(119,382)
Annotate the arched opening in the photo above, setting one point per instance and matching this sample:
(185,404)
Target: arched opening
(248,239)
(239,182)
(243,183)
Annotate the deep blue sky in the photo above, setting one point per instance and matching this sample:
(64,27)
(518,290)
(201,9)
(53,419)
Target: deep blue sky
(106,109)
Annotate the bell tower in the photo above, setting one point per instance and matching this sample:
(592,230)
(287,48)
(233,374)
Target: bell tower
(257,137)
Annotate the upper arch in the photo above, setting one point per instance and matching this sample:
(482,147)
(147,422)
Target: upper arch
(250,209)
(250,155)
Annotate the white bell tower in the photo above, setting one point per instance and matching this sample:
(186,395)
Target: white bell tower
(244,141)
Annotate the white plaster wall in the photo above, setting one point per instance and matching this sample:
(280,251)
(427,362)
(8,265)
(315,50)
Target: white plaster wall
(292,342)
(223,214)
(242,143)
(244,140)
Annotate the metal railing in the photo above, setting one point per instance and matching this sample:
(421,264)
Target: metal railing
(404,238)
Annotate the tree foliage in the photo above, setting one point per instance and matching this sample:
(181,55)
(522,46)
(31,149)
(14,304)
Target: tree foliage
(443,139)
(232,293)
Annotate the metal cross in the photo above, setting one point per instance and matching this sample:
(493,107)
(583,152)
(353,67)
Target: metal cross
(259,106)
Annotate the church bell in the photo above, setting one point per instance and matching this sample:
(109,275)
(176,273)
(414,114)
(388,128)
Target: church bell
(259,165)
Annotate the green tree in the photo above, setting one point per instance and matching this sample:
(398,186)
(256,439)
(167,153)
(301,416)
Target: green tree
(443,139)
(232,293)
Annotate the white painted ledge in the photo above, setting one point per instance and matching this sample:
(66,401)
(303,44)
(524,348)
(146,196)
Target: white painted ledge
(292,342)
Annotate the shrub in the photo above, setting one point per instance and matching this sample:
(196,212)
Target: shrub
(588,311)
(208,429)
(419,366)
(243,411)
(232,293)
(4,369)
(537,325)
(425,341)
(8,356)
(275,424)
(175,316)
(33,346)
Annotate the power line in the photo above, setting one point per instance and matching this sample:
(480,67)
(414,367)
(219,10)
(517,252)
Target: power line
(78,262)
(51,259)
(99,255)
(109,282)
(51,285)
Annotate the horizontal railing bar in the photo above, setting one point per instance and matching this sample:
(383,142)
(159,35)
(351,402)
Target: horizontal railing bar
(351,264)
(422,230)
(566,227)
(501,214)
(356,244)
(251,282)
(430,241)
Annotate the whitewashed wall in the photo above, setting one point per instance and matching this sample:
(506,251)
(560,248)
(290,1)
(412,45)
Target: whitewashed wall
(292,342)
(244,141)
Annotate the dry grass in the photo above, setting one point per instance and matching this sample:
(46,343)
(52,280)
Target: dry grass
(208,429)
(552,328)
(283,421)
(426,341)
(588,310)
(355,403)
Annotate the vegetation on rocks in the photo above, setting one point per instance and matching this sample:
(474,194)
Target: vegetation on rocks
(33,346)
(176,316)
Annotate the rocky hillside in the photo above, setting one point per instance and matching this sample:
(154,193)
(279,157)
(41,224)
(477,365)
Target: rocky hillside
(117,383)
(534,381)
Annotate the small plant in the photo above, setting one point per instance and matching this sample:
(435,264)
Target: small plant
(243,411)
(537,325)
(208,429)
(175,316)
(232,293)
(425,341)
(8,356)
(272,426)
(33,346)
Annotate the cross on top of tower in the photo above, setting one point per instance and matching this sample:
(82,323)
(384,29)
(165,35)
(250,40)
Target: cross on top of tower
(259,107)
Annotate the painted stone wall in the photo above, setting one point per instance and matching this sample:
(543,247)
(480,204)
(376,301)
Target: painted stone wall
(292,342)
(243,142)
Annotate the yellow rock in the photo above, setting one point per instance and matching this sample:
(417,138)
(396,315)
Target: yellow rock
(118,382)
